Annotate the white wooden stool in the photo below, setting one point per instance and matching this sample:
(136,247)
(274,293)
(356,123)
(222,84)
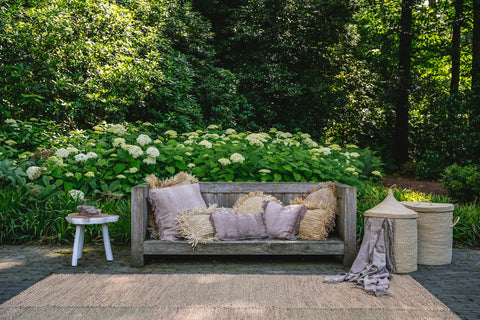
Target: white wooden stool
(81,222)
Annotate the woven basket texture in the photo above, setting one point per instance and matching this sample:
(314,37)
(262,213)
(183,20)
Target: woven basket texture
(435,232)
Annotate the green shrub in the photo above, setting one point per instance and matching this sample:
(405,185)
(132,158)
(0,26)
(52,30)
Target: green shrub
(462,183)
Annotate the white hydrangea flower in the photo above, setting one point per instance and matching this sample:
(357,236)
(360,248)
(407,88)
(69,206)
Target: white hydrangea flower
(90,174)
(284,135)
(118,129)
(62,153)
(34,172)
(191,165)
(335,147)
(81,157)
(92,155)
(262,137)
(135,151)
(118,142)
(171,133)
(188,141)
(264,171)
(376,173)
(255,142)
(230,131)
(121,176)
(133,170)
(126,146)
(224,161)
(237,157)
(207,144)
(354,154)
(10,121)
(150,160)
(69,174)
(72,150)
(347,154)
(350,169)
(212,127)
(143,140)
(309,142)
(77,195)
(152,152)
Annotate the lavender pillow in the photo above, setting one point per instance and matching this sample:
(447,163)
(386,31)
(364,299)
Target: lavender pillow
(229,226)
(169,202)
(283,222)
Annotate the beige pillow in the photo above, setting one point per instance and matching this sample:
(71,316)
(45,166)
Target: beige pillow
(195,225)
(181,178)
(317,223)
(283,222)
(252,202)
(168,202)
(325,193)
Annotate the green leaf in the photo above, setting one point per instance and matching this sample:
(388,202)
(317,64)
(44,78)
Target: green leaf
(78,176)
(297,176)
(277,177)
(59,182)
(119,167)
(288,167)
(170,169)
(177,157)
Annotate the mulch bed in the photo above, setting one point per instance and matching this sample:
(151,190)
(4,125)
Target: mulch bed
(426,187)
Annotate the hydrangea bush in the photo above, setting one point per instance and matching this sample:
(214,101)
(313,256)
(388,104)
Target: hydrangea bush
(109,159)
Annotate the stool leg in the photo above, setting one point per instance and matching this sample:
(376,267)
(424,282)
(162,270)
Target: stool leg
(76,244)
(80,243)
(106,242)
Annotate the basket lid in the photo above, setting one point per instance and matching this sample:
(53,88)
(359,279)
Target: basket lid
(428,206)
(391,208)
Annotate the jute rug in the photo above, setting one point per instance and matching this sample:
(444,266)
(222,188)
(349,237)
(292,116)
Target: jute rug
(217,296)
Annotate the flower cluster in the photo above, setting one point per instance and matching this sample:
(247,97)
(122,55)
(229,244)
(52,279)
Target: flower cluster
(34,172)
(143,140)
(237,157)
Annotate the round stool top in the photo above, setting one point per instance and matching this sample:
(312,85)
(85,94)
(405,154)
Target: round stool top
(428,206)
(75,218)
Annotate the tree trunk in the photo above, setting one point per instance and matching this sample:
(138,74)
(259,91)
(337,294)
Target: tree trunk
(476,49)
(456,34)
(400,138)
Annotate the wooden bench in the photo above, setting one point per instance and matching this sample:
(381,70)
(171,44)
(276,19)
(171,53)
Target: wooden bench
(342,240)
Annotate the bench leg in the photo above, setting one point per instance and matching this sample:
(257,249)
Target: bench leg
(78,244)
(106,242)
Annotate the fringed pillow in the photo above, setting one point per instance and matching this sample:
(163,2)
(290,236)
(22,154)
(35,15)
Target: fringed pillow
(325,193)
(252,202)
(195,225)
(318,221)
(180,179)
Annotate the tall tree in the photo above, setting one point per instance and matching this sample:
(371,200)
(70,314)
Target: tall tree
(476,49)
(455,54)
(400,138)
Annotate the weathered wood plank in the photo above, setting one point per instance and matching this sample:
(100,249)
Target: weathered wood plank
(247,247)
(139,221)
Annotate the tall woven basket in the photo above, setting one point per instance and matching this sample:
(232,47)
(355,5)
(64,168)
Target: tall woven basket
(404,231)
(435,232)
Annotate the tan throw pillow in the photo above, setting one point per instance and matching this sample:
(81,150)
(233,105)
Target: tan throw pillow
(195,225)
(230,226)
(317,223)
(168,202)
(180,179)
(252,202)
(283,222)
(324,192)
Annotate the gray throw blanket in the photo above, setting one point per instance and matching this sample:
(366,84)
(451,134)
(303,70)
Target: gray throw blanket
(375,263)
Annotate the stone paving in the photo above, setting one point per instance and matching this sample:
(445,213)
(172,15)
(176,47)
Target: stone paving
(457,285)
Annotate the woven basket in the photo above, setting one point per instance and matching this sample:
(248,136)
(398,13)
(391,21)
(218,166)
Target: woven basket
(435,232)
(404,231)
